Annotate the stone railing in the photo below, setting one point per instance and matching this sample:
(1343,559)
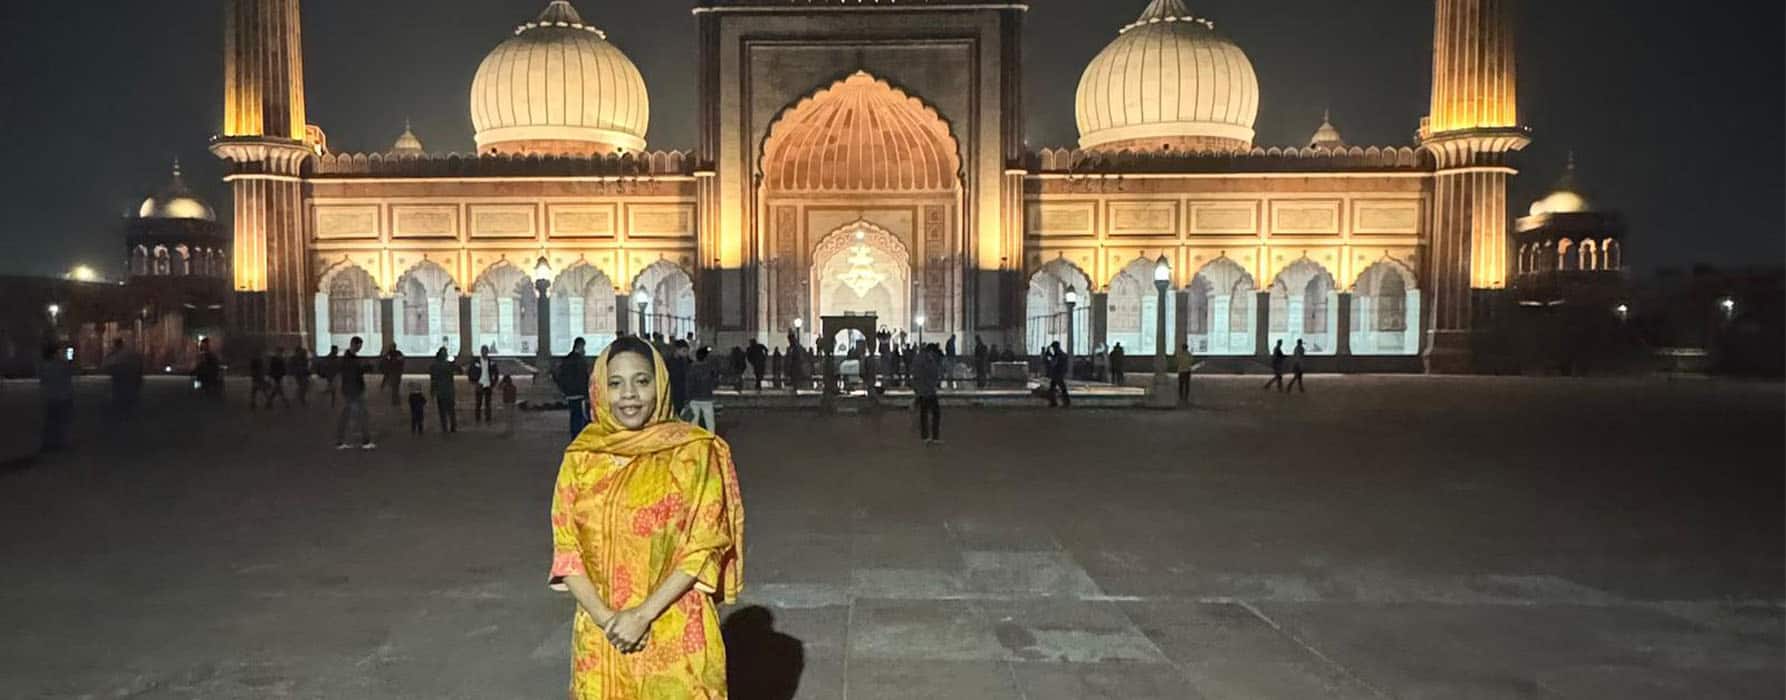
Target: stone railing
(1292,159)
(648,164)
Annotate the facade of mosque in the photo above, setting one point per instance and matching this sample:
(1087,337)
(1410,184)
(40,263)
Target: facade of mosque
(868,158)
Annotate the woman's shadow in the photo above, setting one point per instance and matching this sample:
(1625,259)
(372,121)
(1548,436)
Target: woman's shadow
(761,663)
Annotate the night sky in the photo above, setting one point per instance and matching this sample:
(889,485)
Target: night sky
(1675,112)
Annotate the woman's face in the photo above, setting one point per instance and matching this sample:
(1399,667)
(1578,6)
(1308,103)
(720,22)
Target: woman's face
(632,397)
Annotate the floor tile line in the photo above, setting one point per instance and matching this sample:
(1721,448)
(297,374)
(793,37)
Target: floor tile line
(1317,653)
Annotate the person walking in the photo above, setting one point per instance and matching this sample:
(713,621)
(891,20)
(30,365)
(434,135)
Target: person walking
(442,381)
(1058,362)
(55,380)
(276,379)
(1119,374)
(391,366)
(418,409)
(484,378)
(207,374)
(647,537)
(327,367)
(1183,363)
(926,383)
(353,397)
(738,364)
(703,379)
(1296,369)
(125,367)
(300,375)
(573,382)
(1277,367)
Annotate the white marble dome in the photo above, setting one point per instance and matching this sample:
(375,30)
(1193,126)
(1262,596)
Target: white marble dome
(1169,81)
(1565,197)
(558,87)
(175,201)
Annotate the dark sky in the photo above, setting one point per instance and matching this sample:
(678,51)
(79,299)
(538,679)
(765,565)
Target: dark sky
(1674,112)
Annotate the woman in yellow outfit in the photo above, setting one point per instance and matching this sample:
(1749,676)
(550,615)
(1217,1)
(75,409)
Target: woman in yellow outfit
(647,530)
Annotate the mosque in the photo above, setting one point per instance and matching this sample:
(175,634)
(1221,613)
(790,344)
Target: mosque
(863,158)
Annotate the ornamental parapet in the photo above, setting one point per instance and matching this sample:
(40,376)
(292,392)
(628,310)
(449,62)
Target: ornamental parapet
(1256,160)
(438,165)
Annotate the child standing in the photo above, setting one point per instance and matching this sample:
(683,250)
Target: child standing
(508,404)
(418,404)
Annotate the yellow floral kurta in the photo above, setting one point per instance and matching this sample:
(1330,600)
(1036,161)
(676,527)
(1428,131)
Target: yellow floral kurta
(630,509)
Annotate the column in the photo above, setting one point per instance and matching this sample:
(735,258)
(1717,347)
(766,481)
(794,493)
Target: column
(467,349)
(1262,325)
(387,321)
(1342,343)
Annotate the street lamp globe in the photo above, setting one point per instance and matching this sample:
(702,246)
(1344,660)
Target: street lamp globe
(1072,296)
(641,298)
(1162,271)
(55,310)
(542,275)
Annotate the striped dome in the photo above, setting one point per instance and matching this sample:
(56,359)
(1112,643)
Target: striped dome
(558,87)
(1169,81)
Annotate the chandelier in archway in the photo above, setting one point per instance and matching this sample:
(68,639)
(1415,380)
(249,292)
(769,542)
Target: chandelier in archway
(862,276)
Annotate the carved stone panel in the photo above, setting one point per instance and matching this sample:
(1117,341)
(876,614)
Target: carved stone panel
(346,222)
(425,221)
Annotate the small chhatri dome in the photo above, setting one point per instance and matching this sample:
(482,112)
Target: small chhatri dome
(1565,198)
(1169,81)
(408,143)
(176,201)
(557,87)
(1328,136)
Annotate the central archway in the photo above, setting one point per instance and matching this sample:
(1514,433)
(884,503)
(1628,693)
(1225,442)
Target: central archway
(857,151)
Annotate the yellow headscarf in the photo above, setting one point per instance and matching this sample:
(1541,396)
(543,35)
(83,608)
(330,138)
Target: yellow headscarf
(664,439)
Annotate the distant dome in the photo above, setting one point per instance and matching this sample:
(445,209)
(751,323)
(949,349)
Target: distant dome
(1565,198)
(558,87)
(1328,136)
(1169,81)
(175,201)
(408,143)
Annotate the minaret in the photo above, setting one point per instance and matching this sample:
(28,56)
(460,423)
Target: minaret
(263,139)
(1473,127)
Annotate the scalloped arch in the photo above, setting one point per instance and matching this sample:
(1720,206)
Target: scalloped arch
(860,134)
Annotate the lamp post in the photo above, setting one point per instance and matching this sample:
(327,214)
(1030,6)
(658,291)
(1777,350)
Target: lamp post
(542,281)
(1072,298)
(641,301)
(1161,395)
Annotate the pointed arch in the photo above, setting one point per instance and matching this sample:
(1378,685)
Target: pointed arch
(1302,301)
(1046,307)
(584,305)
(670,309)
(347,306)
(503,305)
(1133,313)
(860,133)
(427,306)
(1386,310)
(1222,296)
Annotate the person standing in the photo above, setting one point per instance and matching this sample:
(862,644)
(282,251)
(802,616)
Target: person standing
(257,382)
(125,367)
(327,367)
(573,382)
(353,396)
(1183,363)
(55,379)
(647,537)
(1058,364)
(703,379)
(508,404)
(300,375)
(1119,374)
(1296,369)
(758,355)
(442,378)
(1277,367)
(207,375)
(483,376)
(926,384)
(739,362)
(276,379)
(677,364)
(392,369)
(418,409)
(775,367)
(1100,364)
(950,361)
(982,363)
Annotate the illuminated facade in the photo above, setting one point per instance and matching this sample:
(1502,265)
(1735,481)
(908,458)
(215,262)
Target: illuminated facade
(869,158)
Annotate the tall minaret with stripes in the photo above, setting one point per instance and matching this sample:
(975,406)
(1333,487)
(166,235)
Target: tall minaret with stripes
(1473,127)
(264,141)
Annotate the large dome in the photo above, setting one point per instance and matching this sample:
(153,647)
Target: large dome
(557,87)
(1565,197)
(1168,82)
(175,201)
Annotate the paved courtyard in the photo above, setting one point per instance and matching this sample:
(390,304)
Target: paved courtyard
(1379,537)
